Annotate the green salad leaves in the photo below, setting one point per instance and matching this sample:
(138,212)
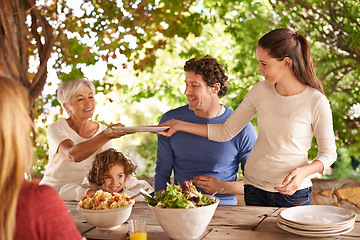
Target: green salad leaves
(180,196)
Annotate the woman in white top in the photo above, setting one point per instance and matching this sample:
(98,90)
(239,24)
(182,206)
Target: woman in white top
(74,142)
(291,108)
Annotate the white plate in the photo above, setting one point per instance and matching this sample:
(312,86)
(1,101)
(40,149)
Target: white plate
(141,129)
(316,227)
(321,215)
(314,233)
(327,229)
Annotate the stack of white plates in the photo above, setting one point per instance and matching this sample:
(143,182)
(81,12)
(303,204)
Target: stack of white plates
(316,220)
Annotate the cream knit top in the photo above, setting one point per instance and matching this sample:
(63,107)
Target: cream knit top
(286,128)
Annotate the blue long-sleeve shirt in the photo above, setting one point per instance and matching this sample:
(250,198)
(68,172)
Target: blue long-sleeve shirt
(189,155)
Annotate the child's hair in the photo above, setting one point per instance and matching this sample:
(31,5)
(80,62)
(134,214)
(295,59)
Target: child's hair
(283,42)
(104,161)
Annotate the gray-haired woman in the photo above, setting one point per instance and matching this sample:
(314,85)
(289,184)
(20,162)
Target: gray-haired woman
(74,142)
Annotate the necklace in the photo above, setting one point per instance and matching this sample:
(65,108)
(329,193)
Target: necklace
(222,110)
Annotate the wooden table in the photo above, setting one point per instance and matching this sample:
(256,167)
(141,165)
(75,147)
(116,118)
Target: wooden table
(228,222)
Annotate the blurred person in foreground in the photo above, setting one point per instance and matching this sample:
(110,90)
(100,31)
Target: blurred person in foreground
(209,165)
(75,141)
(27,210)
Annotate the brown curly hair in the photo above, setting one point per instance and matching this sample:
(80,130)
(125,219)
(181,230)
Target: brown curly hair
(104,161)
(211,71)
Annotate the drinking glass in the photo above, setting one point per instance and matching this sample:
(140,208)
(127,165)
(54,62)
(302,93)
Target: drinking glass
(137,229)
(28,176)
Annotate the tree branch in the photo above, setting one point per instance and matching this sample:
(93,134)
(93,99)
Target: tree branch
(22,36)
(338,69)
(45,50)
(337,79)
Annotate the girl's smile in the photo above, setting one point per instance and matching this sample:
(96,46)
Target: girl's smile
(114,182)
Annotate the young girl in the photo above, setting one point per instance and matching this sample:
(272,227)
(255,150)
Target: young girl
(112,172)
(291,108)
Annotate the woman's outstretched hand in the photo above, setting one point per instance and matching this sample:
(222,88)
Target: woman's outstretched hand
(174,127)
(116,132)
(177,125)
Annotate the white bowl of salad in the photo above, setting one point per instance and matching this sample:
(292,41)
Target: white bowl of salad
(182,211)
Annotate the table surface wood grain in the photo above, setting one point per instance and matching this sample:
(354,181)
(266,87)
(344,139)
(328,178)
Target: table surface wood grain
(228,222)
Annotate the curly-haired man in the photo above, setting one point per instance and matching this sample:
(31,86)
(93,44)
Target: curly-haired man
(210,165)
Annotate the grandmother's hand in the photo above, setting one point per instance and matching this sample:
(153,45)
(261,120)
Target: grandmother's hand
(116,132)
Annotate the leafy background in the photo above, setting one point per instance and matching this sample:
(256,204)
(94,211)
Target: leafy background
(146,43)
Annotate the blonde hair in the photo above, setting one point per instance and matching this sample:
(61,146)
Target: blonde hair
(15,150)
(67,89)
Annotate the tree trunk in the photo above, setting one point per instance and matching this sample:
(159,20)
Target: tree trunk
(8,32)
(16,38)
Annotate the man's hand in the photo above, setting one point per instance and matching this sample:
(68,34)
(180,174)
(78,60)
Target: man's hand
(209,184)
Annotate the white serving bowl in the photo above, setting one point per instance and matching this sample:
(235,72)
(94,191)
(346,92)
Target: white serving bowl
(108,219)
(181,223)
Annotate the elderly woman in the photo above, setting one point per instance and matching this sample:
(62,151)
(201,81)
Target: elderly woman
(74,142)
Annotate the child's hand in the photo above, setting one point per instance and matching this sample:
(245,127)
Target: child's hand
(90,192)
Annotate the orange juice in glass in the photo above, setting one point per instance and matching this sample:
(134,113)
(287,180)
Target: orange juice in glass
(138,236)
(137,229)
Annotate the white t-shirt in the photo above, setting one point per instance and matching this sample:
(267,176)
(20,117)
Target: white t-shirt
(58,171)
(286,125)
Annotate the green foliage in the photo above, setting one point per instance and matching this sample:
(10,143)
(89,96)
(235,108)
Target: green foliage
(157,37)
(87,31)
(147,151)
(343,166)
(41,148)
